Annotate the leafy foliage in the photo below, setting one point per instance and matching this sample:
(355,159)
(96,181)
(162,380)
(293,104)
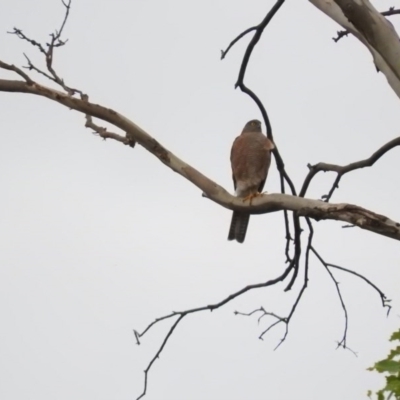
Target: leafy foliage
(390,366)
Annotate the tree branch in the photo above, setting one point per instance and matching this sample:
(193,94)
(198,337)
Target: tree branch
(344,169)
(391,11)
(234,41)
(314,209)
(182,314)
(373,30)
(49,52)
(385,301)
(284,177)
(17,70)
(342,343)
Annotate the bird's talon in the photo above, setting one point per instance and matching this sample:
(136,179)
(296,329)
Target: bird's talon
(251,196)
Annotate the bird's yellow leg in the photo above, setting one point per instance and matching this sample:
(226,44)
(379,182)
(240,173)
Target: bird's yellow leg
(251,196)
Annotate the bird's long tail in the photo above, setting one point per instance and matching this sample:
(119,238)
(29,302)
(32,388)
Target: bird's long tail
(238,228)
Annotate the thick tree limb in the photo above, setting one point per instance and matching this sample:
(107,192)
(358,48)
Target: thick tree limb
(391,11)
(360,18)
(314,209)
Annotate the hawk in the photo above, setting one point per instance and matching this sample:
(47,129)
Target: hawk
(250,160)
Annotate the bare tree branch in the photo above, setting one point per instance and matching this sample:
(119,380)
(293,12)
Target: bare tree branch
(314,209)
(297,250)
(391,11)
(234,41)
(373,30)
(105,134)
(157,355)
(17,70)
(286,320)
(284,177)
(342,343)
(327,266)
(49,52)
(344,169)
(385,301)
(182,314)
(17,32)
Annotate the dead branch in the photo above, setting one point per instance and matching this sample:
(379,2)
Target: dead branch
(344,169)
(234,41)
(315,209)
(17,70)
(48,51)
(385,301)
(342,342)
(284,177)
(286,320)
(211,307)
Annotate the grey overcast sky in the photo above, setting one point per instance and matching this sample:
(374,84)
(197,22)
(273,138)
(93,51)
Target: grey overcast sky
(98,239)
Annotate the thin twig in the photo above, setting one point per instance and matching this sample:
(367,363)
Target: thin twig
(234,41)
(13,68)
(17,32)
(157,355)
(49,53)
(105,134)
(342,343)
(382,296)
(297,250)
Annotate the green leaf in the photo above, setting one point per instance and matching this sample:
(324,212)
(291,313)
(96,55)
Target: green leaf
(391,366)
(395,336)
(393,384)
(394,353)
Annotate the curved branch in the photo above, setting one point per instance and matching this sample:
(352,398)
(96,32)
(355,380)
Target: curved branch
(344,169)
(259,29)
(240,83)
(327,265)
(17,70)
(55,42)
(234,41)
(385,301)
(211,307)
(157,355)
(315,209)
(388,13)
(377,33)
(342,343)
(286,320)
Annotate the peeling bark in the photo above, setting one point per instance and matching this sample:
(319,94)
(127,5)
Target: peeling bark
(361,19)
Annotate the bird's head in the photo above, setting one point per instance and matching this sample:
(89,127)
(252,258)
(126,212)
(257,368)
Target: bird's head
(253,126)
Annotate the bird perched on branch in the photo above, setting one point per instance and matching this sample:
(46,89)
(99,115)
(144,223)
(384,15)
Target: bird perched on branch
(250,160)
